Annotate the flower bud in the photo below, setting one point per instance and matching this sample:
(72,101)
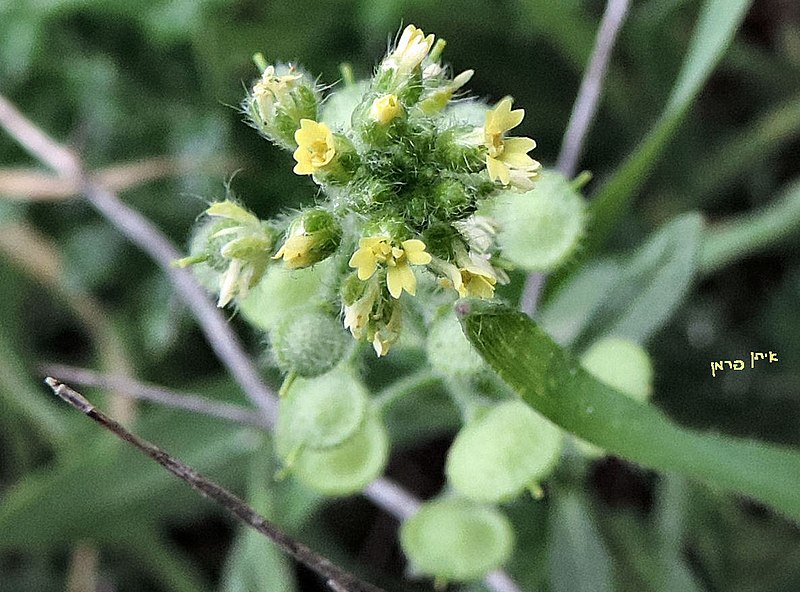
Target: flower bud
(412,48)
(385,108)
(281,98)
(312,237)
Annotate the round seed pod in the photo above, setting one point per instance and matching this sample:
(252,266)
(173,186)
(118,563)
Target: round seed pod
(320,413)
(496,457)
(349,467)
(449,351)
(456,540)
(540,229)
(309,344)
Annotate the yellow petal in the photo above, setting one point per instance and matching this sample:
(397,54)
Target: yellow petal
(409,281)
(394,281)
(519,145)
(370,241)
(364,260)
(502,118)
(497,170)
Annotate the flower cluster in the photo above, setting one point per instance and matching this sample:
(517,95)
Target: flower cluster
(404,174)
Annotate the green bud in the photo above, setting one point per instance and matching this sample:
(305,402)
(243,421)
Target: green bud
(452,198)
(279,100)
(456,154)
(456,540)
(309,344)
(510,449)
(313,236)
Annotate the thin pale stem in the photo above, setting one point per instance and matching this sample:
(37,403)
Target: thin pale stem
(580,121)
(158,394)
(585,107)
(337,578)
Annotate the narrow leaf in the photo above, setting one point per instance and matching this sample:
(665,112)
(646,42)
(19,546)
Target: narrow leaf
(752,232)
(553,383)
(715,29)
(579,560)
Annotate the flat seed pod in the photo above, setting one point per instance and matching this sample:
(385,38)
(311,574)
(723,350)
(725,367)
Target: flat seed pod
(456,540)
(509,449)
(280,293)
(320,412)
(540,229)
(622,364)
(348,467)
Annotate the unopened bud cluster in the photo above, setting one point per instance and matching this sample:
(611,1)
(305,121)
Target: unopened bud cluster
(400,184)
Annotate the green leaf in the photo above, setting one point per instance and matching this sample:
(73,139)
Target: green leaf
(566,315)
(579,561)
(116,486)
(652,284)
(752,232)
(715,29)
(554,384)
(735,158)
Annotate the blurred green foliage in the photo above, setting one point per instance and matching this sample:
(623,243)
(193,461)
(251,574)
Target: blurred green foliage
(129,80)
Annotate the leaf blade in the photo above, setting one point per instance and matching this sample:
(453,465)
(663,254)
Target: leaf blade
(548,379)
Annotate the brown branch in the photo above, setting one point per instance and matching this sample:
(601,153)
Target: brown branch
(336,577)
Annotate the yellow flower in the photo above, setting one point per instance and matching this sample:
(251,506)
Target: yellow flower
(296,251)
(412,48)
(386,333)
(357,315)
(473,281)
(272,89)
(376,250)
(507,159)
(384,109)
(315,147)
(313,236)
(473,275)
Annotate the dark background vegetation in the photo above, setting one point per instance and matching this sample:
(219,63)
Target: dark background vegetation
(122,81)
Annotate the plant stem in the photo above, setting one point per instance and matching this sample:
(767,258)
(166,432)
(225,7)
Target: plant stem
(158,394)
(580,121)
